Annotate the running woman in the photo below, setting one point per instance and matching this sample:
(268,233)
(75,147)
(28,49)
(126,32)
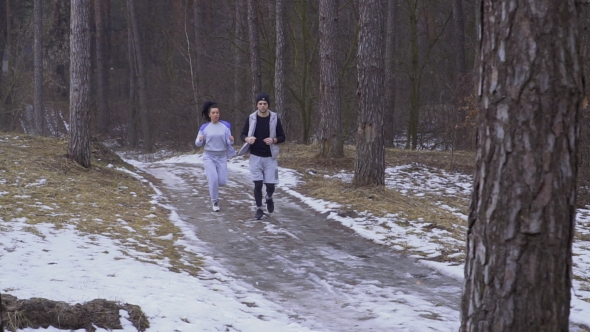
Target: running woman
(216,136)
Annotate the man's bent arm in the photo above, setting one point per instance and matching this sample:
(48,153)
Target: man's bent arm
(280,132)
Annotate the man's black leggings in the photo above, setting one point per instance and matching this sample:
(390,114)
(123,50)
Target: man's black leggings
(270,189)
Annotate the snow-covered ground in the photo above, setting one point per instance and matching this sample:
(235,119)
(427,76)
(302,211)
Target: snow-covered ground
(61,264)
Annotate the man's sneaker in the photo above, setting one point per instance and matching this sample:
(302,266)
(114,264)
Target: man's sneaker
(270,205)
(259,214)
(216,207)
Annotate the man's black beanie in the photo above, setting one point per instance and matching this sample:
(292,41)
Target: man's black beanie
(263,96)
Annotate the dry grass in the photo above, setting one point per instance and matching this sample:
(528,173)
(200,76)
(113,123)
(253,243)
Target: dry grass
(381,201)
(44,186)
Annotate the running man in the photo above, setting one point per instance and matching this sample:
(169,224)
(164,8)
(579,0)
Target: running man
(262,133)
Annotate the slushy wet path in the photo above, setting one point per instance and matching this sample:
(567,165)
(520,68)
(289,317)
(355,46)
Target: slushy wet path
(324,275)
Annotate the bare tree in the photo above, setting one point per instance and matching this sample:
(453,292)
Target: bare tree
(422,37)
(132,135)
(521,222)
(390,83)
(102,97)
(331,143)
(148,142)
(239,53)
(370,157)
(79,137)
(280,77)
(38,68)
(58,50)
(196,68)
(459,28)
(6,110)
(254,49)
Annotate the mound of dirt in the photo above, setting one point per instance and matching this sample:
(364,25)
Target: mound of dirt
(39,312)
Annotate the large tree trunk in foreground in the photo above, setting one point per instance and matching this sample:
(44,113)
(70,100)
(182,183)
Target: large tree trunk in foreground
(521,222)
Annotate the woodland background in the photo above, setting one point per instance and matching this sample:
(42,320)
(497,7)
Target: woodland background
(147,90)
(195,50)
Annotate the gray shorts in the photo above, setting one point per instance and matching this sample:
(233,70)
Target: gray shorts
(264,168)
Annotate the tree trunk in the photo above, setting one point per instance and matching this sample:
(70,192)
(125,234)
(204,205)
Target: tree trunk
(306,59)
(255,73)
(331,145)
(415,77)
(390,84)
(240,109)
(79,138)
(6,110)
(459,28)
(463,86)
(39,109)
(132,125)
(4,32)
(102,72)
(196,69)
(370,157)
(58,50)
(148,143)
(280,77)
(521,222)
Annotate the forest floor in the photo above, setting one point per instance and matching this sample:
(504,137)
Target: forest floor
(39,185)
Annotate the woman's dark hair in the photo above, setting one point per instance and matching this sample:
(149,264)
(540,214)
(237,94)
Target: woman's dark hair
(207,106)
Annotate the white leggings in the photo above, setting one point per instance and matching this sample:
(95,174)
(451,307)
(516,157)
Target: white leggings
(216,170)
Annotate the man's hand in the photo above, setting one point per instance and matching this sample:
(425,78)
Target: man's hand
(231,138)
(269,141)
(202,138)
(251,140)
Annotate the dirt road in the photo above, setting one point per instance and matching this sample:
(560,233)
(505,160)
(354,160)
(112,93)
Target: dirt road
(322,274)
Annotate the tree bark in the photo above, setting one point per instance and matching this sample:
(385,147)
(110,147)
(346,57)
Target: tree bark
(39,109)
(304,68)
(331,144)
(79,138)
(390,83)
(197,61)
(280,77)
(459,28)
(240,110)
(255,73)
(370,157)
(415,76)
(148,143)
(132,135)
(6,110)
(102,72)
(59,54)
(521,222)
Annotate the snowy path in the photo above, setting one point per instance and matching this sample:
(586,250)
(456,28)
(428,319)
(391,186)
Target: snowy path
(324,276)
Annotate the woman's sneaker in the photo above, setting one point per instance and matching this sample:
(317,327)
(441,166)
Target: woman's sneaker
(216,207)
(259,214)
